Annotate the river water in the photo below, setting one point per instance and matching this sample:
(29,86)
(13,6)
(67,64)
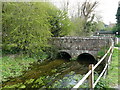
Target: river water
(57,73)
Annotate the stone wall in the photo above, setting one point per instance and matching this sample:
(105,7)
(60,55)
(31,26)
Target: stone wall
(77,45)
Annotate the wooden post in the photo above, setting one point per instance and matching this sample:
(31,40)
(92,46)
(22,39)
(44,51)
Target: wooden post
(91,77)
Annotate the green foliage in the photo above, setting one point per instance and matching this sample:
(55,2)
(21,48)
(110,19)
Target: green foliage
(13,66)
(111,79)
(102,84)
(73,59)
(25,27)
(113,74)
(108,28)
(92,27)
(102,52)
(29,81)
(19,85)
(82,28)
(68,81)
(118,36)
(118,15)
(60,23)
(100,25)
(117,45)
(118,28)
(78,27)
(51,52)
(118,20)
(114,28)
(28,26)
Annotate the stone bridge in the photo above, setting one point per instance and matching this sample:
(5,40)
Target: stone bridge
(76,46)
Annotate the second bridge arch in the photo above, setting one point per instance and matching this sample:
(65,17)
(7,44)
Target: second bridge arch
(86,58)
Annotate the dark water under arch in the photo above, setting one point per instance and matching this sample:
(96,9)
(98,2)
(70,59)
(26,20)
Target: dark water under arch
(63,55)
(85,58)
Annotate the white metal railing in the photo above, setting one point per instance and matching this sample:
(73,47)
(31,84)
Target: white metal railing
(90,73)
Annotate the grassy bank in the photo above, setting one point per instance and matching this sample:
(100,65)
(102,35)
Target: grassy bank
(112,76)
(117,45)
(13,65)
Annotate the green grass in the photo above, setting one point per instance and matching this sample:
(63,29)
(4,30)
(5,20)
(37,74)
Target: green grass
(117,45)
(112,76)
(118,36)
(102,52)
(13,66)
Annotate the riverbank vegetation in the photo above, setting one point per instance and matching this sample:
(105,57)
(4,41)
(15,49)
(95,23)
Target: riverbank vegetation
(13,65)
(26,30)
(117,45)
(111,80)
(27,27)
(113,73)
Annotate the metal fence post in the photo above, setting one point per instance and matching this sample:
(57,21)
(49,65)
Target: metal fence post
(91,77)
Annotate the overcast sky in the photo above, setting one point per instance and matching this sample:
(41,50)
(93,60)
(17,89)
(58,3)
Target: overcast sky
(106,8)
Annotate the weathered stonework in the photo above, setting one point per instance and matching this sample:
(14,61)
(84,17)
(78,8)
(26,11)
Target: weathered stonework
(78,45)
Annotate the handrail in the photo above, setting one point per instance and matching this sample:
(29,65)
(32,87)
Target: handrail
(102,58)
(103,69)
(100,75)
(90,71)
(110,57)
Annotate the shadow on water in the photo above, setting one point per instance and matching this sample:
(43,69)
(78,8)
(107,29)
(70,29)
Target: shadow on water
(86,58)
(46,73)
(63,55)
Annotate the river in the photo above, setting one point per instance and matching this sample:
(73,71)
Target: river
(57,73)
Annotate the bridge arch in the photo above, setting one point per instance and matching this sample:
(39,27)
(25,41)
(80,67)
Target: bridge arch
(86,58)
(63,55)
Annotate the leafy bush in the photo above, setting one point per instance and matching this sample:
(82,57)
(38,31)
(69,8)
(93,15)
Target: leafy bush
(60,23)
(118,36)
(28,26)
(102,84)
(25,27)
(102,51)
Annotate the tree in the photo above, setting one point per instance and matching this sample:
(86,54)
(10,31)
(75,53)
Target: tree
(100,25)
(84,18)
(65,6)
(118,20)
(87,10)
(60,23)
(118,15)
(25,27)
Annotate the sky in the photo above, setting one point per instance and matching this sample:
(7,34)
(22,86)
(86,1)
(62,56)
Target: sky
(107,9)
